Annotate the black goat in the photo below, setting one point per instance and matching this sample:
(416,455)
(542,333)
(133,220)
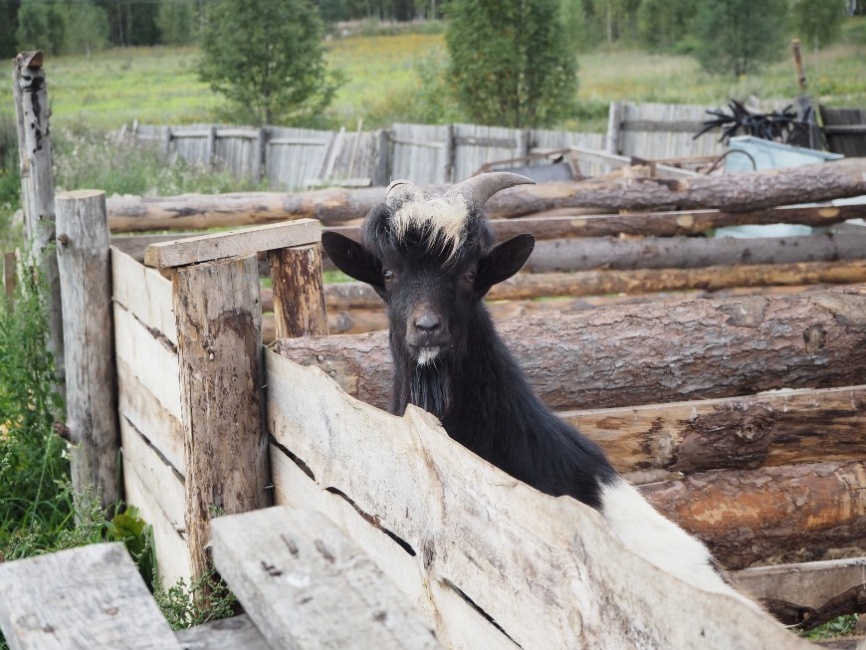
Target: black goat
(432,260)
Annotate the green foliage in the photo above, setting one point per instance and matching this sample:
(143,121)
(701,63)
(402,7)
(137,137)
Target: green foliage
(818,23)
(738,36)
(10,183)
(511,64)
(664,24)
(266,58)
(86,27)
(573,18)
(177,22)
(128,527)
(840,626)
(205,599)
(8,25)
(62,27)
(40,27)
(613,20)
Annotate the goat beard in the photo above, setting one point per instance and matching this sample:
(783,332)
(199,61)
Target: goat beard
(430,388)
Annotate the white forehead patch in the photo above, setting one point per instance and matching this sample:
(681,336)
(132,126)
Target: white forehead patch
(445,216)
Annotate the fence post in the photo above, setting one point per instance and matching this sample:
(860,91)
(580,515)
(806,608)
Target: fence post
(37,191)
(261,173)
(211,146)
(450,154)
(85,280)
(614,127)
(381,170)
(219,329)
(299,295)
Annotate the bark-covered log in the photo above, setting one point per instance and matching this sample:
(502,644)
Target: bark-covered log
(691,252)
(524,286)
(779,514)
(643,354)
(733,193)
(769,429)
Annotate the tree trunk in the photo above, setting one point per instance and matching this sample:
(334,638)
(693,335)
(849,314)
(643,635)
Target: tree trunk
(334,206)
(778,514)
(644,354)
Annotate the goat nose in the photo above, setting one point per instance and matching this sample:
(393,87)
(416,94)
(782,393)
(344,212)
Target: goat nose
(427,322)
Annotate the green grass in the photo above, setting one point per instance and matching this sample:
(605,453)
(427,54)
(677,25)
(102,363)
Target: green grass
(159,85)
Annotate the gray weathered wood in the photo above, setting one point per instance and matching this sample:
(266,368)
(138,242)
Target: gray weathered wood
(239,243)
(219,323)
(37,191)
(85,279)
(306,585)
(82,598)
(235,633)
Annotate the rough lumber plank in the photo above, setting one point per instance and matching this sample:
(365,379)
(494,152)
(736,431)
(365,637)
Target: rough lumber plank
(144,293)
(545,569)
(85,282)
(775,428)
(144,411)
(790,513)
(88,597)
(645,354)
(154,364)
(459,625)
(219,330)
(172,555)
(298,294)
(236,243)
(235,633)
(306,585)
(527,286)
(808,583)
(160,478)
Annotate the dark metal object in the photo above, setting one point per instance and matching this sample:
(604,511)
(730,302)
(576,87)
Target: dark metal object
(779,126)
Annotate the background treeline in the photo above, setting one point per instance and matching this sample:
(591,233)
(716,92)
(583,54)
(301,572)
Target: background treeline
(82,26)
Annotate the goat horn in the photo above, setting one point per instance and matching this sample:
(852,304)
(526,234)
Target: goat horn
(398,190)
(478,189)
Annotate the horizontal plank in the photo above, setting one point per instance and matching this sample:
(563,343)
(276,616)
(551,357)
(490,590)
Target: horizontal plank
(468,523)
(810,584)
(159,477)
(463,628)
(87,597)
(845,129)
(155,365)
(223,634)
(235,243)
(305,584)
(144,293)
(172,554)
(616,161)
(767,429)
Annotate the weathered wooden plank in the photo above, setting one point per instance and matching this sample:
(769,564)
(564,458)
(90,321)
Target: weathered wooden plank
(298,292)
(788,513)
(144,411)
(85,281)
(236,243)
(87,597)
(223,634)
(169,536)
(807,583)
(775,428)
(459,624)
(157,476)
(153,361)
(646,354)
(219,325)
(546,570)
(144,293)
(306,585)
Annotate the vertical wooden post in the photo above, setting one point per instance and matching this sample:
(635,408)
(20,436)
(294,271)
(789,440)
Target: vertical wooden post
(299,294)
(37,190)
(260,173)
(450,154)
(381,170)
(211,147)
(614,127)
(166,141)
(85,280)
(218,313)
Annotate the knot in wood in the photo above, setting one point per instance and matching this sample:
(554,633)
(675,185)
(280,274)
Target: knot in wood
(756,422)
(428,552)
(814,337)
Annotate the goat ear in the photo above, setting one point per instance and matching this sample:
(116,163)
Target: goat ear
(503,261)
(353,259)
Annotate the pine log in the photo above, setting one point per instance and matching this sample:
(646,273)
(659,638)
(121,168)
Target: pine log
(568,255)
(773,514)
(768,429)
(526,286)
(644,354)
(733,193)
(298,298)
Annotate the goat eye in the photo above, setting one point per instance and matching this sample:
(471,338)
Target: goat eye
(388,275)
(470,276)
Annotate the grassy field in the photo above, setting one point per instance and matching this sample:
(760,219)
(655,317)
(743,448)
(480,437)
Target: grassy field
(159,85)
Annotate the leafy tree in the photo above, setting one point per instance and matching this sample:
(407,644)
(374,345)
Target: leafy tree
(40,27)
(818,22)
(266,58)
(511,63)
(662,24)
(8,24)
(616,19)
(175,20)
(574,21)
(86,27)
(737,36)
